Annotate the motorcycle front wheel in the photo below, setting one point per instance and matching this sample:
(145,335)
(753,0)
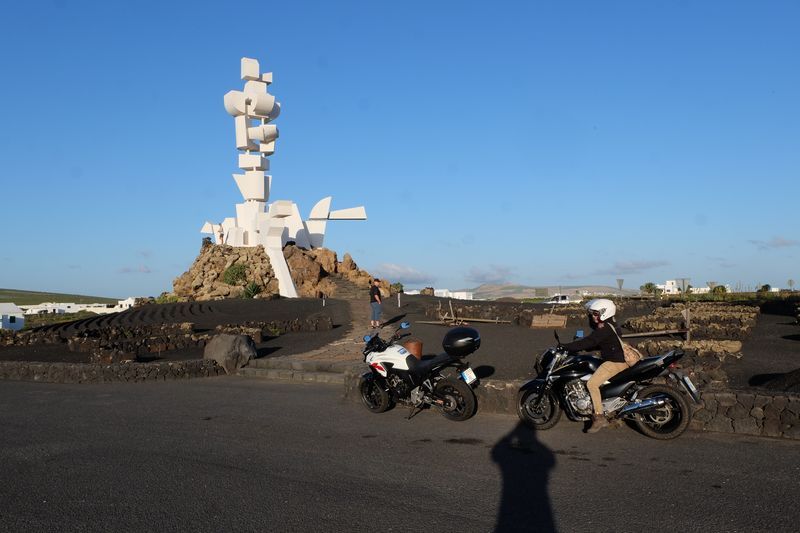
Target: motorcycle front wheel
(667,421)
(537,414)
(458,400)
(374,396)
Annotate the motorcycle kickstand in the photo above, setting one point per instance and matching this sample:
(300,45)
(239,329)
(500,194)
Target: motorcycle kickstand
(413,412)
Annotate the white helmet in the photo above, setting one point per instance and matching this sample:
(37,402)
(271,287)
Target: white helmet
(605,308)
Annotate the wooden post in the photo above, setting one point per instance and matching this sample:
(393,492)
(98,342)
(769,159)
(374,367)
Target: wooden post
(687,320)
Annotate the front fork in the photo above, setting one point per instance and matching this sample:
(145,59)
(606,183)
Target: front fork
(540,386)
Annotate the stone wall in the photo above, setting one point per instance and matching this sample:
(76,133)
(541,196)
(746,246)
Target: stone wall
(708,320)
(750,413)
(521,314)
(111,373)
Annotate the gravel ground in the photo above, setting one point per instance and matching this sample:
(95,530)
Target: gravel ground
(771,351)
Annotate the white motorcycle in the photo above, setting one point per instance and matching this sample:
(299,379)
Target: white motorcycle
(444,381)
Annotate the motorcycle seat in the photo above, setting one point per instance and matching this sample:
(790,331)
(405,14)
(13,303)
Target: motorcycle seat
(424,367)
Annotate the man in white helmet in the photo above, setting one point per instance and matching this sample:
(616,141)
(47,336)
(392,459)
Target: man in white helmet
(603,337)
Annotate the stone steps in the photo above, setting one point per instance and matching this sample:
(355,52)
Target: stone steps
(347,290)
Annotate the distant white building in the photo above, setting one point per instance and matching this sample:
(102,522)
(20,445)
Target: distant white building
(700,290)
(11,317)
(62,308)
(456,295)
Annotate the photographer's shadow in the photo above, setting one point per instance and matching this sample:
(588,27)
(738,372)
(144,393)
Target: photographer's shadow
(525,464)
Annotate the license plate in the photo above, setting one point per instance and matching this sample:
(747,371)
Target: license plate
(690,384)
(468,376)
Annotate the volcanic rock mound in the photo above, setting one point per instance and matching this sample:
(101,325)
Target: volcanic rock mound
(315,273)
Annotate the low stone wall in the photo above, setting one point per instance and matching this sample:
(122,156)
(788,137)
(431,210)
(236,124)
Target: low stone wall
(113,373)
(740,412)
(521,314)
(750,413)
(118,344)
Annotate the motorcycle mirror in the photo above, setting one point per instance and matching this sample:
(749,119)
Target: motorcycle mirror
(555,334)
(404,325)
(579,334)
(367,338)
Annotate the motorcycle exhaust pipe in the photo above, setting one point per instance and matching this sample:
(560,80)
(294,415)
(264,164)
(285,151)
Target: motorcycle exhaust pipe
(641,406)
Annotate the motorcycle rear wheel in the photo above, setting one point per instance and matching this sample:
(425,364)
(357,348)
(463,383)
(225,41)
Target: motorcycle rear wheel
(665,422)
(542,416)
(374,396)
(459,400)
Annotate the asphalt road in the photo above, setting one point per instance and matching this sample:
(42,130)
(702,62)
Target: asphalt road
(229,454)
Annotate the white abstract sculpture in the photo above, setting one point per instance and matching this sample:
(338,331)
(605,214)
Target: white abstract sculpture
(256,222)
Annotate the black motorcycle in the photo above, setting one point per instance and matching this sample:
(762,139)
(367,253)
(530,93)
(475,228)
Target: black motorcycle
(444,381)
(651,394)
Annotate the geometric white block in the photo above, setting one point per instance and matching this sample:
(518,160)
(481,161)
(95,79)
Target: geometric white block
(354,213)
(280,209)
(235,237)
(276,111)
(321,210)
(261,105)
(266,77)
(316,232)
(296,231)
(255,87)
(275,232)
(235,103)
(247,216)
(208,227)
(242,138)
(228,224)
(250,69)
(264,133)
(253,185)
(267,148)
(285,284)
(253,162)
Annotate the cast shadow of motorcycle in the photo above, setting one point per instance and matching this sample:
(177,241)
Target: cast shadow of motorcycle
(443,382)
(651,395)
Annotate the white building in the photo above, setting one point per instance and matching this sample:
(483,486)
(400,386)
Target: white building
(11,317)
(62,308)
(456,295)
(669,287)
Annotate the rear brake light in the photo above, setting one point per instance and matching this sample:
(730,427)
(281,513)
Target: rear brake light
(673,365)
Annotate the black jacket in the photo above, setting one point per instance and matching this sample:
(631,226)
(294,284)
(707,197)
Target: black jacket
(603,338)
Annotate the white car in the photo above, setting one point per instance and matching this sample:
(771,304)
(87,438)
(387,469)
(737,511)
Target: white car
(562,299)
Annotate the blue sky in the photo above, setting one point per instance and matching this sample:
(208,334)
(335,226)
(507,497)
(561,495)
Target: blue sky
(528,142)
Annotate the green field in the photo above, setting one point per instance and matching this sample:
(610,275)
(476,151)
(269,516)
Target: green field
(34,297)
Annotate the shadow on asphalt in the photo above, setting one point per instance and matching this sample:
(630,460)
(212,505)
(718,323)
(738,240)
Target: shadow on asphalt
(525,464)
(484,371)
(393,320)
(762,379)
(266,351)
(791,337)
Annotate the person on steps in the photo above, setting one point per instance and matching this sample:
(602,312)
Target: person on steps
(375,303)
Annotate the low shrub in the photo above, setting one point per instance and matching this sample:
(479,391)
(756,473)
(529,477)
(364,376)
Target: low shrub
(251,290)
(235,274)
